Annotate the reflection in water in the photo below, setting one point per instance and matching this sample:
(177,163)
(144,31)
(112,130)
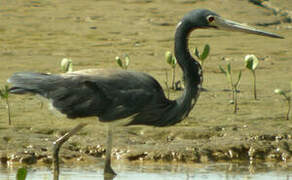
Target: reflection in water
(163,172)
(109,177)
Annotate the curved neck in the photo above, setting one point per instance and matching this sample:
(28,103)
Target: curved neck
(169,112)
(190,67)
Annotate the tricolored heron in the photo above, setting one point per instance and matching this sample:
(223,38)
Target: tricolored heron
(113,95)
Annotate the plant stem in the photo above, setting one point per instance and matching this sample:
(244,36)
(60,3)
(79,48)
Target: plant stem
(8,111)
(233,94)
(254,85)
(202,64)
(289,107)
(232,87)
(235,99)
(166,83)
(173,78)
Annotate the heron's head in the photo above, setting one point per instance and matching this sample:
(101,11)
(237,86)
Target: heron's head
(203,18)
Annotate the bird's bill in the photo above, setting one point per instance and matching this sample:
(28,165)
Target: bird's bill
(225,24)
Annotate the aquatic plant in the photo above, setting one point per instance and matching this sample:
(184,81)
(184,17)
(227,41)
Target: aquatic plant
(251,63)
(204,55)
(66,65)
(287,97)
(123,63)
(21,174)
(170,59)
(4,94)
(166,83)
(234,85)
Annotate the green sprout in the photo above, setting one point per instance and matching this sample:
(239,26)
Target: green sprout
(166,83)
(66,65)
(202,56)
(251,63)
(21,174)
(4,94)
(123,63)
(170,59)
(287,97)
(234,86)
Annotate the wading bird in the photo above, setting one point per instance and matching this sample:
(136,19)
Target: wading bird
(114,95)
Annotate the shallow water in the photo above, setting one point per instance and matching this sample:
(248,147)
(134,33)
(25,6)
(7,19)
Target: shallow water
(224,171)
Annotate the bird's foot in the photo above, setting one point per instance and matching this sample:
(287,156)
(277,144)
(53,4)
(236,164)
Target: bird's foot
(109,172)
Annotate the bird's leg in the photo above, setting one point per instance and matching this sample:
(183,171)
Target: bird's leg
(108,171)
(57,145)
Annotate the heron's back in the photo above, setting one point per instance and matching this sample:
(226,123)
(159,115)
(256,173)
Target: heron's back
(110,95)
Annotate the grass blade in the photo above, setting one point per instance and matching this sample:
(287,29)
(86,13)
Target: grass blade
(228,68)
(222,70)
(197,53)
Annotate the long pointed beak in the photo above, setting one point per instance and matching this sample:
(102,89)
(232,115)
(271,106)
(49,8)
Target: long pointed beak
(225,24)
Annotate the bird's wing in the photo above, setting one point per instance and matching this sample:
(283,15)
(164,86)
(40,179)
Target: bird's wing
(129,92)
(110,96)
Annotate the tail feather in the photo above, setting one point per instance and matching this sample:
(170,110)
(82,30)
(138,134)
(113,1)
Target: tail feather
(70,96)
(28,82)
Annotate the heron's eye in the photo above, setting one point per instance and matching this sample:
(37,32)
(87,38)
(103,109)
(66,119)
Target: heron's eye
(210,19)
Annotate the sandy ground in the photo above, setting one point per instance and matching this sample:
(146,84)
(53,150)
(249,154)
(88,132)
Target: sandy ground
(36,35)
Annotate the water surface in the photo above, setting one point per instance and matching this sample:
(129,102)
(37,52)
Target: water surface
(223,171)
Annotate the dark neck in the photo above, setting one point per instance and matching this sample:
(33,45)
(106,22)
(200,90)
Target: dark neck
(190,67)
(172,112)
